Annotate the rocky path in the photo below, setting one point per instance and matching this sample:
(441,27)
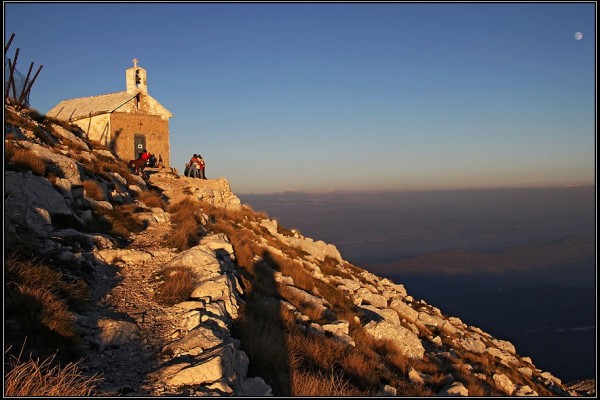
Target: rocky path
(131,320)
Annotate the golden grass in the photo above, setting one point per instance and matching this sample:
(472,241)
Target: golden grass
(93,190)
(9,147)
(37,305)
(262,334)
(324,384)
(294,298)
(315,351)
(178,284)
(187,226)
(356,272)
(42,378)
(13,118)
(43,306)
(27,160)
(37,295)
(330,266)
(152,199)
(285,231)
(121,221)
(288,267)
(341,303)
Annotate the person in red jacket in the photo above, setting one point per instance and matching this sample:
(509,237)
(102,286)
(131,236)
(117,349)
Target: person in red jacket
(202,166)
(141,161)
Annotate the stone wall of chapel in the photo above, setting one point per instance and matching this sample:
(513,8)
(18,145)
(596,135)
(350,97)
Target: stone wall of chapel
(97,128)
(156,130)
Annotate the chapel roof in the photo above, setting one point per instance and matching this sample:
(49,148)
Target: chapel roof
(83,107)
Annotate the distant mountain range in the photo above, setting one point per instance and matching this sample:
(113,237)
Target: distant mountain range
(524,258)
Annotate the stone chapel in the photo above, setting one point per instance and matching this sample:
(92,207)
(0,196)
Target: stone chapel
(126,122)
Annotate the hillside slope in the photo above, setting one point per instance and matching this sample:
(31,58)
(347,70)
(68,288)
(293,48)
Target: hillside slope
(166,285)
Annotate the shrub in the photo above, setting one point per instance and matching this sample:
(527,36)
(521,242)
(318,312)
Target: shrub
(42,378)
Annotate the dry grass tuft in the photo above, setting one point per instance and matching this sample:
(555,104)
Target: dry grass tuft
(288,267)
(152,199)
(42,378)
(93,190)
(121,221)
(178,284)
(262,334)
(324,384)
(330,266)
(38,296)
(187,226)
(341,303)
(27,160)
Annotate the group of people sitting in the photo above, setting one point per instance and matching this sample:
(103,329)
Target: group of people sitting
(146,159)
(195,168)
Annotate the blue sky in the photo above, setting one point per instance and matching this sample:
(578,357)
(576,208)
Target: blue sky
(340,96)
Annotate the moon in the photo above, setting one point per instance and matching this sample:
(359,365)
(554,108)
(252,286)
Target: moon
(578,35)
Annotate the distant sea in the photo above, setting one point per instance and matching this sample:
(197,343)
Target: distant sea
(518,263)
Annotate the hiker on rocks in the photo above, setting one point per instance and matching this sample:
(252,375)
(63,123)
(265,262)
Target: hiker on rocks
(160,165)
(141,161)
(152,161)
(194,170)
(202,165)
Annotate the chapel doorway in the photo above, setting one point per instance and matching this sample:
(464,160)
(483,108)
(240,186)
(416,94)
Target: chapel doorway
(139,142)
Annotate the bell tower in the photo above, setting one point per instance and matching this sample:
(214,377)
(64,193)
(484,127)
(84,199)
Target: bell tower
(136,78)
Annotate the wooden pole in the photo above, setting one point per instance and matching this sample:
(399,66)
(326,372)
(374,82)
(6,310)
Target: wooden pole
(8,44)
(12,76)
(22,95)
(32,81)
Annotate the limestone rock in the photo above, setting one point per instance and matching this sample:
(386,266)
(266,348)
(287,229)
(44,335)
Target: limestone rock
(196,341)
(115,333)
(254,387)
(372,313)
(504,384)
(200,260)
(377,300)
(455,389)
(407,342)
(404,310)
(525,390)
(223,287)
(23,190)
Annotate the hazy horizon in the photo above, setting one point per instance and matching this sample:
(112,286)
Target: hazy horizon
(413,190)
(383,226)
